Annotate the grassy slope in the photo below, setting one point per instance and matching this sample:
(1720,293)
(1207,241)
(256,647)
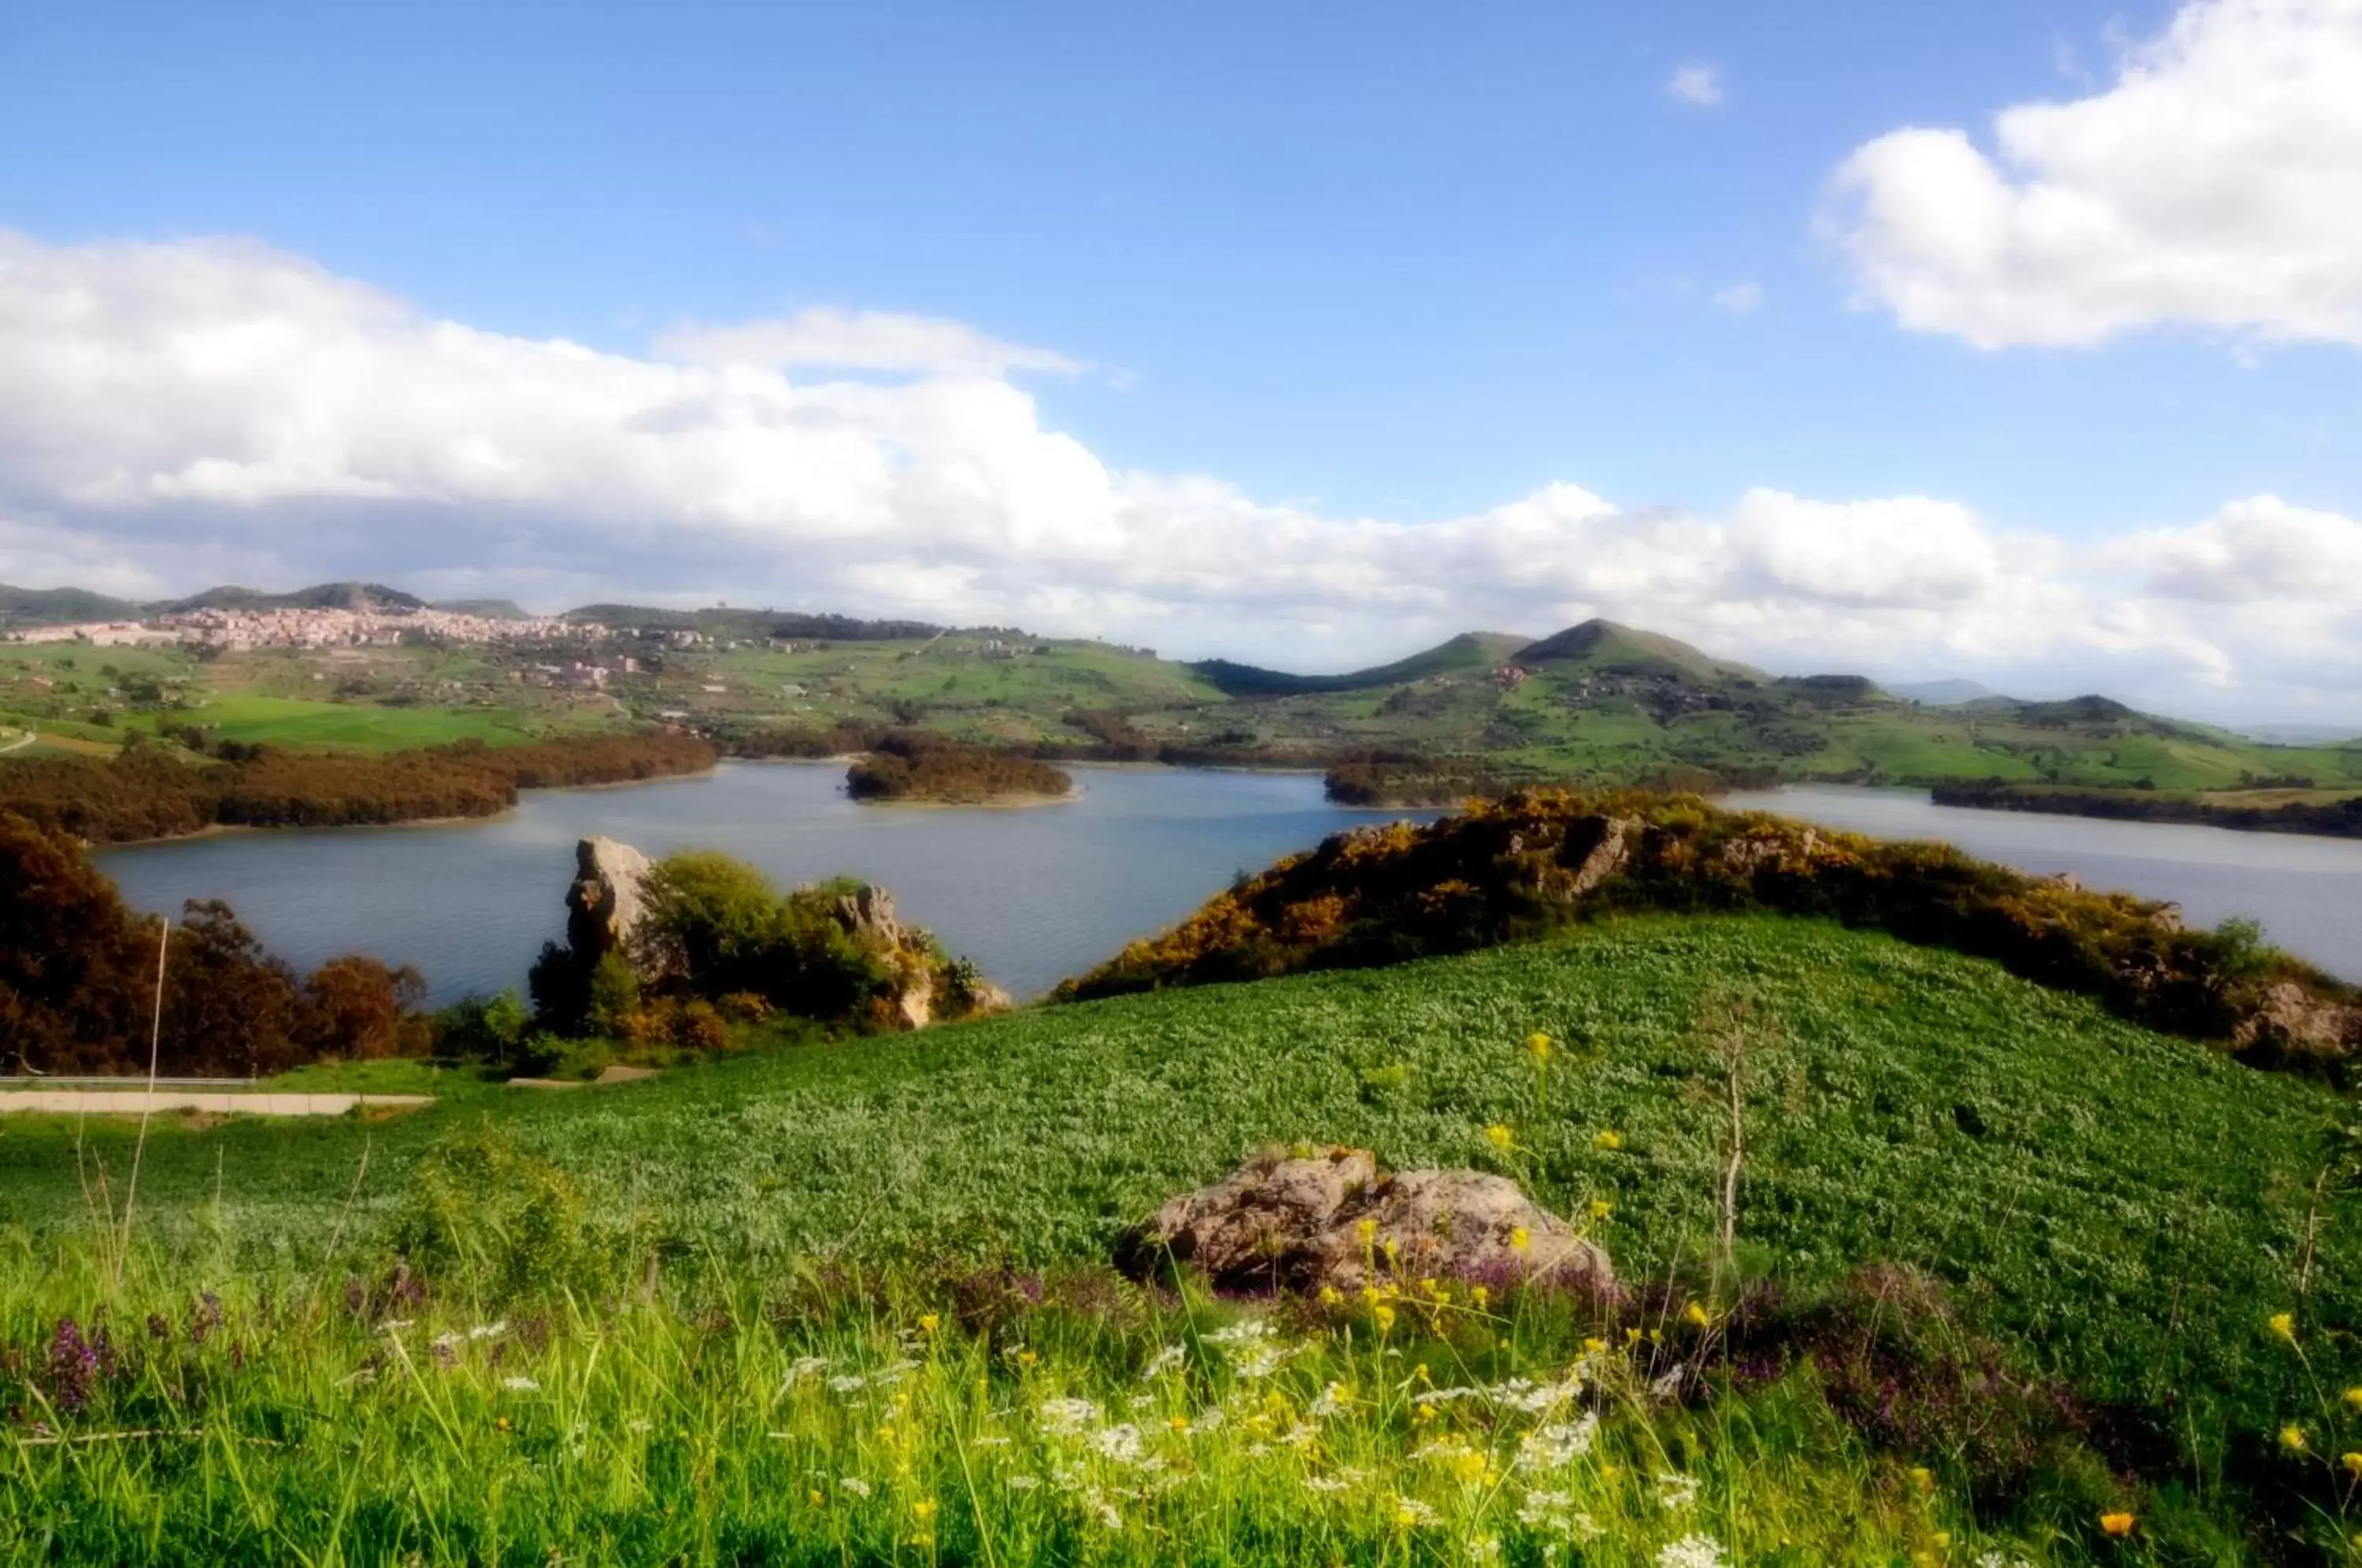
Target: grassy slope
(2130,1206)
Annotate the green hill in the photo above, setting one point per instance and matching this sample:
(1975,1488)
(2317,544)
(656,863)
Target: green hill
(60,606)
(1468,651)
(1605,645)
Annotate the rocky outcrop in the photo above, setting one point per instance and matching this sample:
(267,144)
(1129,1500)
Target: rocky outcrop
(1301,1221)
(2288,1021)
(608,902)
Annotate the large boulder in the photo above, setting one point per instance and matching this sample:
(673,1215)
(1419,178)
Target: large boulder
(2291,1023)
(608,902)
(1301,1221)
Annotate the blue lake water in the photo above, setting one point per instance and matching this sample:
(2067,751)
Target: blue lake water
(1034,894)
(1031,893)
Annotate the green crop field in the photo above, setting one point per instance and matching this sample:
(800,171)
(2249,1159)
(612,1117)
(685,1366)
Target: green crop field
(2123,1211)
(300,721)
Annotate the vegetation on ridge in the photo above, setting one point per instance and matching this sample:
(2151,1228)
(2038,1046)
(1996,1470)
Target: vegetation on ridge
(907,766)
(1532,862)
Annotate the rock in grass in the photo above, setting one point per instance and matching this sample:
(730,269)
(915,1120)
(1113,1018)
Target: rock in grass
(1299,1222)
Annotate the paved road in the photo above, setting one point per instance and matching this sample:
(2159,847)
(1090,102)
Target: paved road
(131,1102)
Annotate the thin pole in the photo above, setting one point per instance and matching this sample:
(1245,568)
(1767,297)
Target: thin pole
(147,1102)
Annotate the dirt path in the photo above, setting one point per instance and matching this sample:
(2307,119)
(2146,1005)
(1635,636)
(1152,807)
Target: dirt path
(131,1102)
(20,742)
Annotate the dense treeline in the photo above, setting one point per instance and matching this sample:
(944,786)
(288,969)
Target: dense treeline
(913,765)
(149,791)
(2335,819)
(1537,861)
(77,972)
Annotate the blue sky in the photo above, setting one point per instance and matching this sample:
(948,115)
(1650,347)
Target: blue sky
(1395,262)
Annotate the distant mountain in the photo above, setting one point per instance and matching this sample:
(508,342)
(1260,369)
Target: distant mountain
(321,596)
(2305,735)
(62,606)
(724,621)
(490,609)
(1940,693)
(1468,651)
(1608,645)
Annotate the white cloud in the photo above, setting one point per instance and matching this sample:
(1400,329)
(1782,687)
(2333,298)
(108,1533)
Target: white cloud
(205,411)
(1700,86)
(857,340)
(1738,298)
(2217,183)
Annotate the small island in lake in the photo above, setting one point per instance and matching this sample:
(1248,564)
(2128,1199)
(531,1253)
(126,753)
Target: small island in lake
(910,767)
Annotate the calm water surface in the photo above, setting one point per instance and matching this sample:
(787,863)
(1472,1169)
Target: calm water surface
(1034,894)
(2306,891)
(1038,893)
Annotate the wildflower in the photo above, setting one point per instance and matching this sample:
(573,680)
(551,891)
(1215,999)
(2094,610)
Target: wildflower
(1601,1208)
(1063,1416)
(1329,1296)
(1367,1229)
(2284,1325)
(2117,1525)
(501,1424)
(923,1509)
(1499,1136)
(1163,1360)
(857,1486)
(1520,1239)
(1922,1478)
(1480,1294)
(489,1330)
(805,1367)
(1608,1138)
(73,1361)
(1696,1316)
(2293,1439)
(519,1384)
(929,1322)
(1121,1444)
(1557,1444)
(2352,1463)
(816,1498)
(1383,1316)
(1180,1423)
(1692,1551)
(2354,1400)
(1594,1346)
(1411,1513)
(1669,1383)
(1333,1400)
(1023,1482)
(1676,1492)
(1538,1046)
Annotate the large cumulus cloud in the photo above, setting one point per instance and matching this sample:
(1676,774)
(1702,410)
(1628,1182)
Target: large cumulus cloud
(184,413)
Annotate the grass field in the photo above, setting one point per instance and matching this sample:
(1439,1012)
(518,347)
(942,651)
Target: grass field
(2123,1211)
(300,721)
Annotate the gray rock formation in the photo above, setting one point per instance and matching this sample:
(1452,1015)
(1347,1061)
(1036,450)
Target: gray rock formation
(608,901)
(1298,1222)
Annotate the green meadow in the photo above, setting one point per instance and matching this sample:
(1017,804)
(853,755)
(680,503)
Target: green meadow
(2121,1216)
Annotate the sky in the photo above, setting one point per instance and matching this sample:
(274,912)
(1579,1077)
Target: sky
(2016,341)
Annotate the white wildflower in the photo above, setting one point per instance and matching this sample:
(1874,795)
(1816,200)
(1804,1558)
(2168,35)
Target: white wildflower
(1412,1513)
(1668,1385)
(1333,1401)
(847,1383)
(1121,1444)
(1675,1493)
(489,1330)
(1557,1444)
(805,1367)
(993,1440)
(1163,1362)
(1021,1483)
(1693,1551)
(1258,1361)
(1100,1508)
(857,1486)
(1066,1416)
(1245,1331)
(519,1384)
(1325,1484)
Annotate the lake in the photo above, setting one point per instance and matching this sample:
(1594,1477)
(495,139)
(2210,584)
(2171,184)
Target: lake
(1031,893)
(1034,894)
(2306,891)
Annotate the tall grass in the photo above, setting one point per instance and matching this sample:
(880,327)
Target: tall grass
(829,1415)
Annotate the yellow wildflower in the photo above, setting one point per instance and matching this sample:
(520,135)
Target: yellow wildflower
(1383,1316)
(1631,1336)
(1601,1208)
(1482,1295)
(2354,1400)
(1608,1138)
(1180,1423)
(1695,1315)
(929,1322)
(2284,1325)
(1593,1347)
(1922,1478)
(815,1498)
(2353,1463)
(1329,1296)
(2293,1439)
(2118,1525)
(923,1509)
(1499,1136)
(1367,1229)
(1538,1046)
(1520,1239)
